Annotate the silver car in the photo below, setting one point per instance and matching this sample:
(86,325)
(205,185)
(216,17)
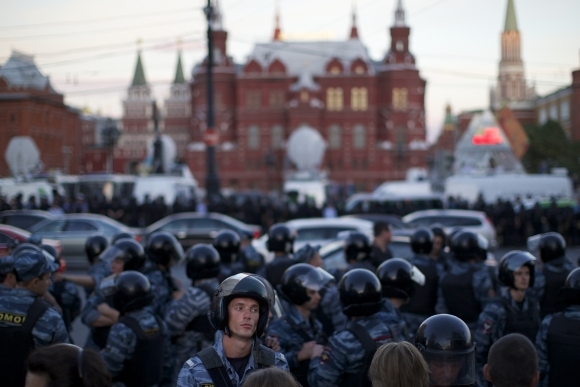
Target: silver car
(73,230)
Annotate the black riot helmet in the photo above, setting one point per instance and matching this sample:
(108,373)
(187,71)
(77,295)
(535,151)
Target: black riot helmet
(94,246)
(202,261)
(360,293)
(513,261)
(162,247)
(422,241)
(571,289)
(275,306)
(357,247)
(552,246)
(281,239)
(240,285)
(127,291)
(446,345)
(122,235)
(300,277)
(467,245)
(128,250)
(397,276)
(227,244)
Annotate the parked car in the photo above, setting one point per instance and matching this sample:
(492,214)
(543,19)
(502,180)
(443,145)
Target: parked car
(11,236)
(24,219)
(73,230)
(394,220)
(475,221)
(191,228)
(317,231)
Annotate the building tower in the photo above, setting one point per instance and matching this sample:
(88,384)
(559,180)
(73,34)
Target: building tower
(177,115)
(511,89)
(137,124)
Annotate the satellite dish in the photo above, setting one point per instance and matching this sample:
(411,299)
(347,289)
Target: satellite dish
(169,150)
(306,148)
(22,155)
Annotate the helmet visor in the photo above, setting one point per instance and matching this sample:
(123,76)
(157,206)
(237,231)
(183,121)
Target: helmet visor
(313,280)
(108,286)
(533,243)
(450,369)
(417,276)
(325,276)
(110,254)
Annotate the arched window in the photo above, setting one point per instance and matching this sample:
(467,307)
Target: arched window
(359,99)
(334,137)
(334,99)
(359,137)
(277,136)
(253,137)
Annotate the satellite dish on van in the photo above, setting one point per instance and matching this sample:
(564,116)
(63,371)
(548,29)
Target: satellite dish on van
(22,155)
(306,148)
(165,149)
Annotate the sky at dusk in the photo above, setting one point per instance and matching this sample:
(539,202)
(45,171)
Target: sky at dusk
(88,48)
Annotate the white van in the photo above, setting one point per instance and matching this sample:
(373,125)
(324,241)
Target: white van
(168,187)
(10,188)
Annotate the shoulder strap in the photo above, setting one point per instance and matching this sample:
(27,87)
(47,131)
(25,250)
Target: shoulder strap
(215,367)
(266,356)
(134,326)
(363,336)
(36,310)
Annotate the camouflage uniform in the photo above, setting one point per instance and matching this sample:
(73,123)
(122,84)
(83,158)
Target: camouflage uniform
(290,340)
(49,328)
(344,353)
(396,322)
(162,286)
(194,374)
(98,271)
(4,289)
(571,312)
(6,264)
(194,302)
(90,314)
(330,306)
(537,291)
(491,326)
(482,285)
(67,295)
(122,341)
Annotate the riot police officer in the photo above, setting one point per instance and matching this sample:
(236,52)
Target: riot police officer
(186,317)
(446,345)
(398,278)
(7,278)
(329,311)
(26,320)
(558,341)
(551,276)
(468,286)
(240,314)
(439,252)
(346,358)
(164,251)
(298,331)
(281,243)
(249,256)
(512,311)
(137,349)
(357,251)
(227,244)
(423,304)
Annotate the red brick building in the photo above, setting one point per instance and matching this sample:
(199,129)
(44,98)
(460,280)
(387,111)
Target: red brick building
(29,106)
(371,114)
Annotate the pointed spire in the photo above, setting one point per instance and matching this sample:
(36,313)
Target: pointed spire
(511,23)
(179,78)
(277,30)
(216,22)
(353,29)
(139,76)
(400,15)
(449,120)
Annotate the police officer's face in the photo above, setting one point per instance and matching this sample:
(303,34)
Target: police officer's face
(522,278)
(36,380)
(244,314)
(314,299)
(437,245)
(316,260)
(40,284)
(117,266)
(444,372)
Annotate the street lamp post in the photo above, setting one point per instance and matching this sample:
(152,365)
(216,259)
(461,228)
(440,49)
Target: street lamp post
(212,183)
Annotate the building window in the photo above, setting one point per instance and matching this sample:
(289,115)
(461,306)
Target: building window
(359,99)
(277,136)
(253,99)
(276,98)
(400,98)
(554,112)
(565,110)
(334,137)
(359,137)
(334,99)
(543,116)
(335,70)
(253,137)
(359,70)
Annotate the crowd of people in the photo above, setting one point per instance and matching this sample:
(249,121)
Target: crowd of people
(441,318)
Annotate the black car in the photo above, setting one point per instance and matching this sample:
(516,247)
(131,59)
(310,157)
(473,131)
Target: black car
(24,219)
(191,228)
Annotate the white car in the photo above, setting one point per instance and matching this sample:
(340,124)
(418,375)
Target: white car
(475,221)
(316,231)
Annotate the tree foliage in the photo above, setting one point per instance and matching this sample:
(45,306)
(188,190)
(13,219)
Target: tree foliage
(550,148)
